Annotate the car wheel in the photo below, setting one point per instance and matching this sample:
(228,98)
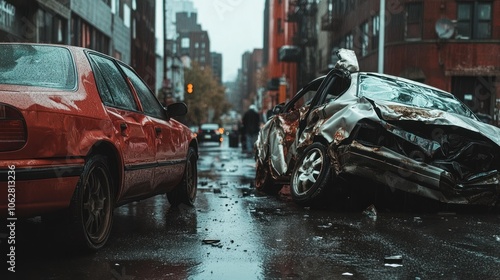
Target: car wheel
(91,208)
(185,192)
(311,175)
(264,181)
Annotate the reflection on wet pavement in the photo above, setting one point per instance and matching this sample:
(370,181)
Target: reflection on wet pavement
(234,232)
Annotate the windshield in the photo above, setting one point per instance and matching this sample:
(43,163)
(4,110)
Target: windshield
(32,65)
(411,94)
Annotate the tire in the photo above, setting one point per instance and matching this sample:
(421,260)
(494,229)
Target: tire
(311,176)
(185,192)
(264,181)
(91,208)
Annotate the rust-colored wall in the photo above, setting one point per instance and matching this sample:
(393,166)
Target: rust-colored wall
(279,37)
(429,59)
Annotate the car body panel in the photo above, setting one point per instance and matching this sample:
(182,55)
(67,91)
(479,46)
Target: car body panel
(426,143)
(64,126)
(171,145)
(278,134)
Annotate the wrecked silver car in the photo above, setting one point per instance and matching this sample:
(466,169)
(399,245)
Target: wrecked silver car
(405,135)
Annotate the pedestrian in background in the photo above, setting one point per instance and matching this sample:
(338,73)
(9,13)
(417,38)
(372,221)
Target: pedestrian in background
(251,127)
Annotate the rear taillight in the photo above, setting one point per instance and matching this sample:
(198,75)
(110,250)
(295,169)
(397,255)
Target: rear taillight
(12,129)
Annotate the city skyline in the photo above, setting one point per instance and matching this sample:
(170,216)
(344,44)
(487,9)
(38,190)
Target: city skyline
(226,22)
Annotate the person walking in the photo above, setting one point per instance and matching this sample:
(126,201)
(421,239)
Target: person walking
(251,127)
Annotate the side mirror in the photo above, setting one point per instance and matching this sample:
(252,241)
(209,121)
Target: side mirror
(176,109)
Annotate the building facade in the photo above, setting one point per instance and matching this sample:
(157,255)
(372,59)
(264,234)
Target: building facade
(192,40)
(120,28)
(143,40)
(280,33)
(35,21)
(291,46)
(216,65)
(450,44)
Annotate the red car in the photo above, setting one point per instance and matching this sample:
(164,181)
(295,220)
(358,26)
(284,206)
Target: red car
(80,134)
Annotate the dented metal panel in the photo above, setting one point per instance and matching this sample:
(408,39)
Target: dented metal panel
(406,135)
(65,122)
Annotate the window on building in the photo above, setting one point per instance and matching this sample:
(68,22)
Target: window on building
(134,29)
(119,8)
(364,38)
(414,18)
(50,28)
(185,43)
(59,30)
(44,26)
(349,41)
(280,26)
(474,20)
(127,14)
(375,31)
(339,7)
(85,35)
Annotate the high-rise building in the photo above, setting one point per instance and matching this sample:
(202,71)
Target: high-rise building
(216,65)
(192,41)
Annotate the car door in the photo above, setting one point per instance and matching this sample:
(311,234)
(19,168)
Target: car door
(170,141)
(333,86)
(134,130)
(284,127)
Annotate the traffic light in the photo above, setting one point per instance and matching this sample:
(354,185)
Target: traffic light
(189,88)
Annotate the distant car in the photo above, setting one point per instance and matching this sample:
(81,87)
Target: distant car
(210,132)
(405,135)
(81,134)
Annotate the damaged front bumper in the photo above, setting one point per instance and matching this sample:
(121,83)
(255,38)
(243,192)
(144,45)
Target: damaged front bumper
(397,172)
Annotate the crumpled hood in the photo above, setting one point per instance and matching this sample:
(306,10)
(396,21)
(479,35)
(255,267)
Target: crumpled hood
(338,119)
(394,111)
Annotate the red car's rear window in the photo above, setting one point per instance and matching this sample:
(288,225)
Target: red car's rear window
(37,65)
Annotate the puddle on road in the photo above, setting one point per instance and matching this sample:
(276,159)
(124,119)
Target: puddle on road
(227,270)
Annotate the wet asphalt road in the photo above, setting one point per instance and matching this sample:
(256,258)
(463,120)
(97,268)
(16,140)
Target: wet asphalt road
(234,232)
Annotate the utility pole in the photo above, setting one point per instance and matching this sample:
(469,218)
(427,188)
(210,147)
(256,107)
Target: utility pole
(165,66)
(381,38)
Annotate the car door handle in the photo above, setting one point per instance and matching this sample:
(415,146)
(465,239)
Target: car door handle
(123,126)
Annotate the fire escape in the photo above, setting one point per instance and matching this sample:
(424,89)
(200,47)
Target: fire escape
(303,51)
(331,21)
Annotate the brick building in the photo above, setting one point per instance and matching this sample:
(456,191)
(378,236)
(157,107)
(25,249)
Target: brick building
(279,33)
(450,44)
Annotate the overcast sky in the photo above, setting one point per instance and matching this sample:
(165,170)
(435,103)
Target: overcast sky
(234,26)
